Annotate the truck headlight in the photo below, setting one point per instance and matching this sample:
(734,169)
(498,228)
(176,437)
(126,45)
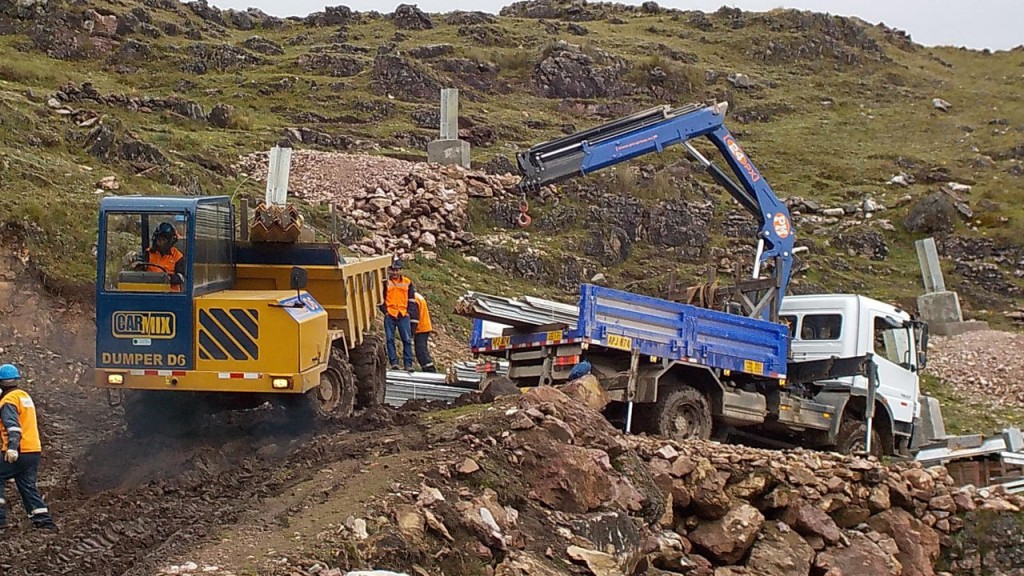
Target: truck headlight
(115,378)
(281,383)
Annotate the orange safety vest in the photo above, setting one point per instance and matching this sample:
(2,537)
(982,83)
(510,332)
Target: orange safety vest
(22,402)
(397,297)
(167,261)
(423,326)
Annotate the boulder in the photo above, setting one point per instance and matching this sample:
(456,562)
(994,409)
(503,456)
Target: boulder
(222,116)
(399,77)
(588,391)
(781,552)
(569,72)
(499,386)
(728,538)
(934,213)
(918,544)
(809,520)
(410,17)
(861,558)
(609,245)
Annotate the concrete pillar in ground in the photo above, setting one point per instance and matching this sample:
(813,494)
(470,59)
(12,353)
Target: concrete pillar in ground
(931,272)
(449,114)
(448,149)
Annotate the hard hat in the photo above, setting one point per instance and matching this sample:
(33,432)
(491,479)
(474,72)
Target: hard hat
(9,372)
(397,264)
(166,229)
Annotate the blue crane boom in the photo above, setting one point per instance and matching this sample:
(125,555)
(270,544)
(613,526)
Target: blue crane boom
(654,130)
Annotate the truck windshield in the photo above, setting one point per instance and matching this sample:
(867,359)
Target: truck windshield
(145,252)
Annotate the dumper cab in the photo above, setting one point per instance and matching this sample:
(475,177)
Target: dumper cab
(145,311)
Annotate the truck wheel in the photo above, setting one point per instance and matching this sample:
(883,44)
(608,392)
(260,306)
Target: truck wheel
(370,363)
(335,396)
(850,439)
(681,413)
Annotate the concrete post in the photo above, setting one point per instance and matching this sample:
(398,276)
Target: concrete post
(448,149)
(931,271)
(450,114)
(939,307)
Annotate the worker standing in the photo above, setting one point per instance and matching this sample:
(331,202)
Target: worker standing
(399,311)
(21,449)
(421,334)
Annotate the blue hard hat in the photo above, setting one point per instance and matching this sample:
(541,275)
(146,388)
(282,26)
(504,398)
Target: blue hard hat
(9,372)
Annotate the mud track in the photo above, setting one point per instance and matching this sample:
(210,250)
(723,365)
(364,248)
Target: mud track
(134,504)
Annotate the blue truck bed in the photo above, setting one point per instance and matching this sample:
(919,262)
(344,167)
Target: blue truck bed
(661,328)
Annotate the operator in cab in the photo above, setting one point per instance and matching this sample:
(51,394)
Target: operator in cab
(165,257)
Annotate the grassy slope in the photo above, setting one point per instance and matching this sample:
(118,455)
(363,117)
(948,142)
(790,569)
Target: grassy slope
(835,154)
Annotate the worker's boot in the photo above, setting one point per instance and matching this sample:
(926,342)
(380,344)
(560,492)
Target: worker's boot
(46,524)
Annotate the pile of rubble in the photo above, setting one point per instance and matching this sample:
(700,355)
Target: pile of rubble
(398,206)
(976,363)
(541,484)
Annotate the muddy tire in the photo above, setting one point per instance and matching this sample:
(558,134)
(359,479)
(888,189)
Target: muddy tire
(335,396)
(370,365)
(681,413)
(150,413)
(850,439)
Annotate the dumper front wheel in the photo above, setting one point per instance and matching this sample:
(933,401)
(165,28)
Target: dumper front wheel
(681,413)
(369,362)
(335,396)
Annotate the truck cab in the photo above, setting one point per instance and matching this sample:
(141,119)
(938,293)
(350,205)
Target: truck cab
(848,325)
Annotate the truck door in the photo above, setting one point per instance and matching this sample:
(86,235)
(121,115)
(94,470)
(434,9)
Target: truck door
(144,311)
(892,344)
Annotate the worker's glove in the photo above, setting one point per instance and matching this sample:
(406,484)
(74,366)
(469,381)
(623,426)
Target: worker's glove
(382,308)
(11,456)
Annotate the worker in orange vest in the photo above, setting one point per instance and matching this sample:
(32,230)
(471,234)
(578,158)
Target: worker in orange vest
(164,257)
(421,334)
(20,448)
(399,310)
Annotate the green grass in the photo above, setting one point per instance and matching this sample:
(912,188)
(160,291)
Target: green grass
(879,112)
(966,415)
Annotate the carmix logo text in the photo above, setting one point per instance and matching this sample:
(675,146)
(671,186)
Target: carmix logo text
(159,325)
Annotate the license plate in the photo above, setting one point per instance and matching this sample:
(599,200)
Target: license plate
(752,367)
(620,342)
(554,336)
(500,341)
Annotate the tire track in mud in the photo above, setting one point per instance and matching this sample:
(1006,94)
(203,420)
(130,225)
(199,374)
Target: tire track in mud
(158,512)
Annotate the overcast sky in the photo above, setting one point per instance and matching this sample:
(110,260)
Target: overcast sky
(993,24)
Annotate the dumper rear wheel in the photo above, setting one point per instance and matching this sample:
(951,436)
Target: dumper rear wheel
(370,363)
(681,413)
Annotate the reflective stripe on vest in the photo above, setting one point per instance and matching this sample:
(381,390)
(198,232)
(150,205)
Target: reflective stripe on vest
(423,325)
(22,402)
(397,301)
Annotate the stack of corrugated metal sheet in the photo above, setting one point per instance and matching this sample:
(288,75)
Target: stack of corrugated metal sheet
(522,312)
(404,386)
(276,223)
(464,372)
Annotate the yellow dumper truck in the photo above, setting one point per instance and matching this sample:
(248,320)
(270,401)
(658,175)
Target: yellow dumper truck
(191,319)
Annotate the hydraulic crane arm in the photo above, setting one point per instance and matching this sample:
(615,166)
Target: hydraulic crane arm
(654,130)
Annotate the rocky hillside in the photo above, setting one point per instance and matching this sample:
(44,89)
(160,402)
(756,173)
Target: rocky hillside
(873,139)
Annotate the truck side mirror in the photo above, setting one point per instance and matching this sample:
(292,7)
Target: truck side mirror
(298,278)
(921,331)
